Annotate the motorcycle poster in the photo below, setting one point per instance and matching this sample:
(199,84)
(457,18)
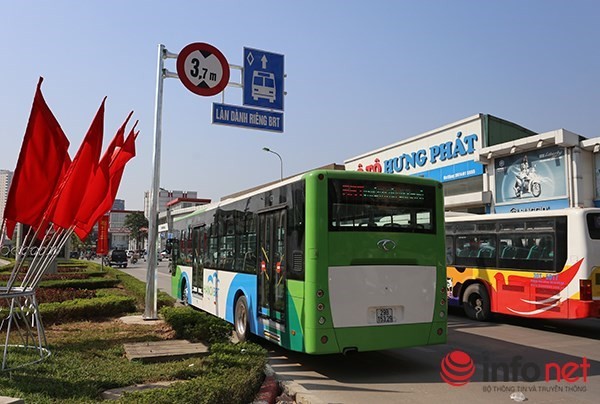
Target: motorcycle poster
(533,176)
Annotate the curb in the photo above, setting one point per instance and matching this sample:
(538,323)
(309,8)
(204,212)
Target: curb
(279,390)
(268,391)
(300,394)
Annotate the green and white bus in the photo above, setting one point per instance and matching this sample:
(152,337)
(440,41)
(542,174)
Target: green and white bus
(328,261)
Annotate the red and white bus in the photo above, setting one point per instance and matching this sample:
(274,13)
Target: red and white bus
(543,264)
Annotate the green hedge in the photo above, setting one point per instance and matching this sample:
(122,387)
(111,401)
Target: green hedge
(86,309)
(138,288)
(91,283)
(195,325)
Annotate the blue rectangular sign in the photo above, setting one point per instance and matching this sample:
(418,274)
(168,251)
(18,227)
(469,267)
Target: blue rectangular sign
(234,115)
(263,79)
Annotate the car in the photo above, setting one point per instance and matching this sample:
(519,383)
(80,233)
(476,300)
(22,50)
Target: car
(118,258)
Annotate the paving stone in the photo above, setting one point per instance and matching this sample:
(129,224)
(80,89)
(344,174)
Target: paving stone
(162,351)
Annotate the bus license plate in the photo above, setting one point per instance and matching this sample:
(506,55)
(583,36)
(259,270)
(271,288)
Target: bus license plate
(384,315)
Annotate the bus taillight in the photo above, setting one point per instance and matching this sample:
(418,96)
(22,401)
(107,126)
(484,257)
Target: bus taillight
(585,289)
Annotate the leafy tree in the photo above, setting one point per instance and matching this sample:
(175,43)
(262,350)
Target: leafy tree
(137,224)
(89,244)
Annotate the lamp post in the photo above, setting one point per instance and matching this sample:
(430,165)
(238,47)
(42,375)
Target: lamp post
(280,159)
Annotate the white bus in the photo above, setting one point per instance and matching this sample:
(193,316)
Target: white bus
(543,264)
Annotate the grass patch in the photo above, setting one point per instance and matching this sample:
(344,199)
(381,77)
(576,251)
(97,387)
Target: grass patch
(88,356)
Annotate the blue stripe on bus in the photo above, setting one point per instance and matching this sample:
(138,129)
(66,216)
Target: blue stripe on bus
(246,283)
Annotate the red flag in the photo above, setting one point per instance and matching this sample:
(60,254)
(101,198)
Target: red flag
(43,162)
(72,191)
(120,158)
(99,184)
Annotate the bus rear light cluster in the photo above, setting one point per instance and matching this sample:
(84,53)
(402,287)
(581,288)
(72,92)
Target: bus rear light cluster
(320,306)
(443,302)
(320,293)
(585,289)
(321,320)
(324,339)
(442,314)
(440,331)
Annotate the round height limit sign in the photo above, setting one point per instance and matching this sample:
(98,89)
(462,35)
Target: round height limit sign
(203,69)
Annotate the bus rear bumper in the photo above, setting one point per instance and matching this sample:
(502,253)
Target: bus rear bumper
(363,339)
(584,309)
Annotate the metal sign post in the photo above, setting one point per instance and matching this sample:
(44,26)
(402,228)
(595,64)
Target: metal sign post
(204,70)
(151,312)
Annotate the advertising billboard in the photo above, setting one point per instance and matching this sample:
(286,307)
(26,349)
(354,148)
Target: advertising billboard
(533,178)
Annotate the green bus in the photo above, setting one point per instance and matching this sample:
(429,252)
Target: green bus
(329,261)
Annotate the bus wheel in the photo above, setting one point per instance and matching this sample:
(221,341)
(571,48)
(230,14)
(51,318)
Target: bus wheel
(184,294)
(476,302)
(241,319)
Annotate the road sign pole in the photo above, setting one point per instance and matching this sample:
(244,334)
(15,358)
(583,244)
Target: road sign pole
(150,312)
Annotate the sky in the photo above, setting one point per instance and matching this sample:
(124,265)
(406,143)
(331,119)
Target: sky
(360,75)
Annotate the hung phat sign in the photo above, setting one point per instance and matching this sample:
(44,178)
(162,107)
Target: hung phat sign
(445,154)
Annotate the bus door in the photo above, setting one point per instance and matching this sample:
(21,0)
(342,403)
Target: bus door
(271,264)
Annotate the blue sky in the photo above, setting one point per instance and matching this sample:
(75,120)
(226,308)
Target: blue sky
(360,75)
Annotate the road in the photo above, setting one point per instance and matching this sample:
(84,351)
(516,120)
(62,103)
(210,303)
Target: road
(524,348)
(413,375)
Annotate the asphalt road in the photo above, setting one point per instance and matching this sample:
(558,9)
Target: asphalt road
(523,347)
(509,356)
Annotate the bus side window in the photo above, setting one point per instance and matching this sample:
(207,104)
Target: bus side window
(449,250)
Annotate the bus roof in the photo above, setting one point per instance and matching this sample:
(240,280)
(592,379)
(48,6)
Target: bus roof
(515,215)
(190,211)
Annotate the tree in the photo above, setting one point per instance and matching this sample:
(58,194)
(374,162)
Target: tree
(137,224)
(87,245)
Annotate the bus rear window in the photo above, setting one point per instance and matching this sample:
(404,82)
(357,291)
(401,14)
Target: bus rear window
(381,206)
(593,224)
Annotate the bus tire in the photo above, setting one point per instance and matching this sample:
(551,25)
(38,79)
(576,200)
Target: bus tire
(240,324)
(476,302)
(184,293)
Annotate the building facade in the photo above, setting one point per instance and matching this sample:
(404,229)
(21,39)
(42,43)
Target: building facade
(490,165)
(164,197)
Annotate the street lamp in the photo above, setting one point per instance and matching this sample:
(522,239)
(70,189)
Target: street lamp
(280,159)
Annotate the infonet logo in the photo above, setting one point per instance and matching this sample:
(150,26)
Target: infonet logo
(386,244)
(458,367)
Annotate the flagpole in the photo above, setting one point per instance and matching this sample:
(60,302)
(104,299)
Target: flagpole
(150,312)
